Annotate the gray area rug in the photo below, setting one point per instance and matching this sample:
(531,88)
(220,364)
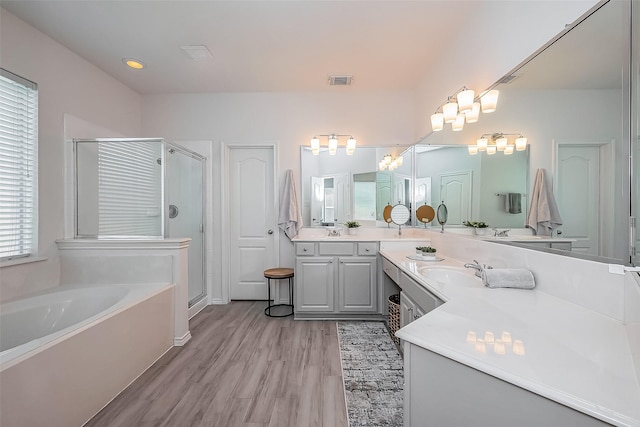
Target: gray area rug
(373,374)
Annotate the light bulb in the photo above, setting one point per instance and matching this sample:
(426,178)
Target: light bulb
(450,111)
(489,101)
(521,143)
(472,115)
(501,143)
(333,145)
(315,146)
(437,122)
(351,146)
(458,124)
(387,159)
(482,143)
(465,100)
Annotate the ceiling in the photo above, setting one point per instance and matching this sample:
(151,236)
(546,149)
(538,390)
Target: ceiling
(257,46)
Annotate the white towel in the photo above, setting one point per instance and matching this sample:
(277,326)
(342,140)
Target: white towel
(290,218)
(543,212)
(508,278)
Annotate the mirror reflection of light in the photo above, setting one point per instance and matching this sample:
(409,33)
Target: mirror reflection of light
(500,346)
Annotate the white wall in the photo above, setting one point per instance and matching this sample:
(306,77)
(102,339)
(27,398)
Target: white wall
(478,62)
(66,84)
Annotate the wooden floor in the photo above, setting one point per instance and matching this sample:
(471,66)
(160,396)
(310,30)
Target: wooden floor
(241,368)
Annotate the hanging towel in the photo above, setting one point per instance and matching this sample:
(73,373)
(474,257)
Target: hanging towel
(543,212)
(290,218)
(513,203)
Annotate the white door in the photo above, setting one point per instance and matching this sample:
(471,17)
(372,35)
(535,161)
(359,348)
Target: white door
(455,192)
(252,221)
(578,195)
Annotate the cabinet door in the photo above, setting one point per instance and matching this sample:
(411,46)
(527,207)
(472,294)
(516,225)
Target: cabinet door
(357,285)
(407,309)
(314,284)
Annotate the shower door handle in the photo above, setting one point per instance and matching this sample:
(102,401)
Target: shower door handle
(270,231)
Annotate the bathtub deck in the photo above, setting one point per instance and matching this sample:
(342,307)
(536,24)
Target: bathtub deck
(241,368)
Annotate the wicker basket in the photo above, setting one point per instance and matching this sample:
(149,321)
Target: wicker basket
(394,317)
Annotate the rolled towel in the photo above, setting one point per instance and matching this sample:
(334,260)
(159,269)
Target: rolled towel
(508,278)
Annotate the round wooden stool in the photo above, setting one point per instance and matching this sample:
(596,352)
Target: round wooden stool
(278,274)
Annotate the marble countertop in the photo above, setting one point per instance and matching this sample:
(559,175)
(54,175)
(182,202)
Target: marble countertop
(556,349)
(321,234)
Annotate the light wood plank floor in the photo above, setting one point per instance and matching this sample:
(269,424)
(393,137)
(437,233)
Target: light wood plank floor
(241,368)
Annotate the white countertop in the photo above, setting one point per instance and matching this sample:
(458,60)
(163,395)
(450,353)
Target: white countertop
(368,234)
(567,353)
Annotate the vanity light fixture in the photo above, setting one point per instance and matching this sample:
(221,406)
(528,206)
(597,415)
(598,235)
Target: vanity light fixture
(463,106)
(500,142)
(390,162)
(332,144)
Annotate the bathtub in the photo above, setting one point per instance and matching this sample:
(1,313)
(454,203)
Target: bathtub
(70,351)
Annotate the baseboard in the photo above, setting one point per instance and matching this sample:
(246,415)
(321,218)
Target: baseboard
(180,341)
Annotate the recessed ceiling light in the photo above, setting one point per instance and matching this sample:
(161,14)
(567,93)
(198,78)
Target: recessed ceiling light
(133,63)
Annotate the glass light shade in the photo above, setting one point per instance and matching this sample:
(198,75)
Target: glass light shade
(472,115)
(465,100)
(333,145)
(491,149)
(399,160)
(450,111)
(501,143)
(315,146)
(482,144)
(387,159)
(437,122)
(473,149)
(382,165)
(393,165)
(521,143)
(458,124)
(351,146)
(508,150)
(489,101)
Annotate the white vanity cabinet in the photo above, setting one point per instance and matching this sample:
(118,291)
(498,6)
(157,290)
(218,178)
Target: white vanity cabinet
(336,279)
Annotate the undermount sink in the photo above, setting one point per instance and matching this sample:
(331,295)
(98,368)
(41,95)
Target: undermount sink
(450,276)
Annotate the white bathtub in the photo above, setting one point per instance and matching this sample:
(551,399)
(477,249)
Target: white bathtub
(68,352)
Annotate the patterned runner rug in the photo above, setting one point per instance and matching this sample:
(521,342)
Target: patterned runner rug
(372,373)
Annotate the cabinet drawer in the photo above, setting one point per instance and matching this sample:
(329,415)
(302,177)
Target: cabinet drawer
(306,248)
(367,248)
(335,248)
(391,270)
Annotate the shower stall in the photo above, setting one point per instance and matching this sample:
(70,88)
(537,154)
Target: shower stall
(142,188)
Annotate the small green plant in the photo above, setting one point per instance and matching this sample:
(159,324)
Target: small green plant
(476,224)
(428,250)
(352,224)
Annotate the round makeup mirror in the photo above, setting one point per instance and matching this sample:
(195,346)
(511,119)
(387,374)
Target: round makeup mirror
(442,215)
(400,214)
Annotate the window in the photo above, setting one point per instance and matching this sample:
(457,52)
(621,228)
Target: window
(18,166)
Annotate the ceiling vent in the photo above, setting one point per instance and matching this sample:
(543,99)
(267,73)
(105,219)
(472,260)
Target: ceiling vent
(197,52)
(508,79)
(340,80)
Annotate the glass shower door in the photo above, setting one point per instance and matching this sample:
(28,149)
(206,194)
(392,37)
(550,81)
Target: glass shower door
(184,187)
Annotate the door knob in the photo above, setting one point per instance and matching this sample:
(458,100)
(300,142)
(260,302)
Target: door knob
(270,231)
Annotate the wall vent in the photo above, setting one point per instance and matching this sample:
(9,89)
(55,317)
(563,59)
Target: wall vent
(340,80)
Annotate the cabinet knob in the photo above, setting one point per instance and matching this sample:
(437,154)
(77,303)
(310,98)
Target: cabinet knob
(366,250)
(416,317)
(304,250)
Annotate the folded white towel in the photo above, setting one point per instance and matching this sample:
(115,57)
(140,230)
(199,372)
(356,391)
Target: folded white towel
(508,278)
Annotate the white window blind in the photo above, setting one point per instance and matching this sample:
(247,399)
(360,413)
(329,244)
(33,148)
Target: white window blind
(18,165)
(129,188)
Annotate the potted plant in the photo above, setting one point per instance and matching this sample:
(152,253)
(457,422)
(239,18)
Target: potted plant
(352,227)
(419,250)
(479,227)
(429,253)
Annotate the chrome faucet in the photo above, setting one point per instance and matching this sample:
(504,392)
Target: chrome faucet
(501,233)
(477,267)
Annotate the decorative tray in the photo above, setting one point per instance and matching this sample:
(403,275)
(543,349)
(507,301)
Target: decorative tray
(419,258)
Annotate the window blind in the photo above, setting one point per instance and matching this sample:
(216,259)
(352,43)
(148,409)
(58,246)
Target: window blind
(129,189)
(18,165)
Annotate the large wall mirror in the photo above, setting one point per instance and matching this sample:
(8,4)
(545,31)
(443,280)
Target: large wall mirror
(340,188)
(571,100)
